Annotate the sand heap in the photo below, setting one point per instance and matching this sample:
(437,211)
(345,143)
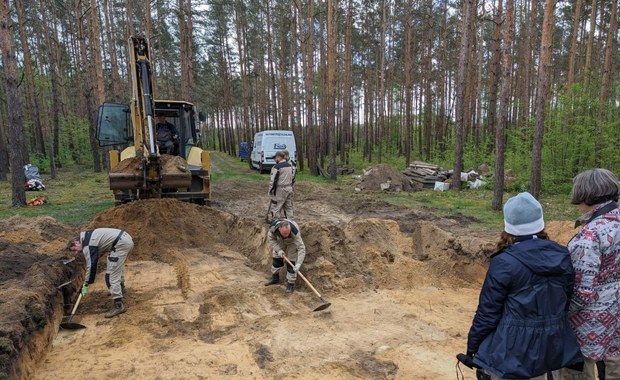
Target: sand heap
(364,252)
(383,177)
(159,226)
(170,164)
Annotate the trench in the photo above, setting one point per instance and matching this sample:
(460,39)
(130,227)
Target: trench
(197,277)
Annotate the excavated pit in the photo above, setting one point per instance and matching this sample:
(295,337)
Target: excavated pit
(401,299)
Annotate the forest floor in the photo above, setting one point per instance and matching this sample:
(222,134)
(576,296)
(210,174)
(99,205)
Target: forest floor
(403,285)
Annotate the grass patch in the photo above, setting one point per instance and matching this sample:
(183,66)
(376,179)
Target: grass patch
(475,204)
(230,168)
(74,197)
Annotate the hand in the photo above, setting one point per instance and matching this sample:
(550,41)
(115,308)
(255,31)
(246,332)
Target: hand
(297,266)
(84,289)
(280,254)
(468,360)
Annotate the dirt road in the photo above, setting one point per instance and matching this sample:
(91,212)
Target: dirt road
(403,293)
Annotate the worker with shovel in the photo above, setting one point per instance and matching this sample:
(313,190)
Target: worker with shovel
(285,239)
(92,244)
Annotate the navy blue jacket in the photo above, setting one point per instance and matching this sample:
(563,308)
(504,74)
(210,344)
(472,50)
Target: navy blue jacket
(520,329)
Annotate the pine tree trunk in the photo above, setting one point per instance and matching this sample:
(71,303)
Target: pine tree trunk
(115,77)
(33,103)
(504,107)
(332,40)
(95,54)
(186,49)
(543,86)
(52,53)
(18,152)
(381,84)
(88,89)
(590,46)
(468,10)
(570,77)
(495,68)
(347,97)
(427,77)
(610,50)
(307,49)
(242,48)
(408,68)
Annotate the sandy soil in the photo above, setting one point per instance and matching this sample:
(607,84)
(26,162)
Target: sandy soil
(403,293)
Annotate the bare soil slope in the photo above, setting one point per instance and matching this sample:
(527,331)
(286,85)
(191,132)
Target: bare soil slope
(403,291)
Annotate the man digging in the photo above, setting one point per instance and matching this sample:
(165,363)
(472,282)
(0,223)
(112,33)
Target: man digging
(285,239)
(92,243)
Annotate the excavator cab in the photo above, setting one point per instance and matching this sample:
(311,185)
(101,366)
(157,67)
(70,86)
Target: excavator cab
(138,169)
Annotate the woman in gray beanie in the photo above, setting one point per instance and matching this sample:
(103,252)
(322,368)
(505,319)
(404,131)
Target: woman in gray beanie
(520,330)
(595,251)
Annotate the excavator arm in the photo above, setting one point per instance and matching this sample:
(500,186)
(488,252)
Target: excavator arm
(140,172)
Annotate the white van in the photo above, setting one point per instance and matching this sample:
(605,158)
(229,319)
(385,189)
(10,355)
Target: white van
(265,146)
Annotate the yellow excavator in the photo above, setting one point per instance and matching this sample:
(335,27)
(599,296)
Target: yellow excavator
(139,171)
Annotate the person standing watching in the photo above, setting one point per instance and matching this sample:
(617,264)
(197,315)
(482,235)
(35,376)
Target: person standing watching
(520,329)
(595,251)
(285,239)
(281,188)
(92,244)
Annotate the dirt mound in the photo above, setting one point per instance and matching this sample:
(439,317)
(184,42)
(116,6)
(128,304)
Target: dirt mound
(159,226)
(170,164)
(44,232)
(561,231)
(383,177)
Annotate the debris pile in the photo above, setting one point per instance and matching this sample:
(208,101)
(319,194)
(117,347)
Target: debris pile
(383,177)
(424,175)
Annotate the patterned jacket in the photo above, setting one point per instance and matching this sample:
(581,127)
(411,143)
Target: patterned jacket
(595,306)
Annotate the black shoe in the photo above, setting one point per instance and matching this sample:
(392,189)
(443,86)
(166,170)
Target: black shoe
(118,308)
(290,288)
(275,279)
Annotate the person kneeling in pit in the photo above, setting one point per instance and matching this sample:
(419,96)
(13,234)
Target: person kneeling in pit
(92,244)
(285,239)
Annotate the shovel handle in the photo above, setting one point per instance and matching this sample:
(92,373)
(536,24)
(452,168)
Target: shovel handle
(76,304)
(303,278)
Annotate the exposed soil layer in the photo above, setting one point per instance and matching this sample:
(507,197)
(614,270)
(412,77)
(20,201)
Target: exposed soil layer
(403,287)
(31,268)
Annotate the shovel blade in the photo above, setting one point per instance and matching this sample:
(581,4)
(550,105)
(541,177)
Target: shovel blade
(71,326)
(324,305)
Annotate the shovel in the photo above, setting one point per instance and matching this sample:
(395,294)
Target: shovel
(324,303)
(68,325)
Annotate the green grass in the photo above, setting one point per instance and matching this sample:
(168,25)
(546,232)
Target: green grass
(74,197)
(230,168)
(78,194)
(475,204)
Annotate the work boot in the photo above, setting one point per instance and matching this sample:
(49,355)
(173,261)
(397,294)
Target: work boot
(290,288)
(275,279)
(118,308)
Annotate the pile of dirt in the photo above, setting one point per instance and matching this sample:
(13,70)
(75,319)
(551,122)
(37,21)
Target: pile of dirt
(159,226)
(561,231)
(383,177)
(170,164)
(343,256)
(44,232)
(31,268)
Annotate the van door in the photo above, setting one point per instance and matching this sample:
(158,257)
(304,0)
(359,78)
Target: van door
(255,156)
